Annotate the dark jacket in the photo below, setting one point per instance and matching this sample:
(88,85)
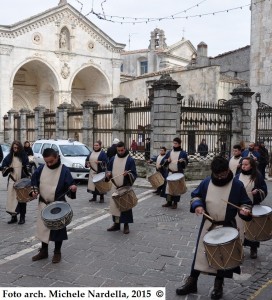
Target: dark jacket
(112,151)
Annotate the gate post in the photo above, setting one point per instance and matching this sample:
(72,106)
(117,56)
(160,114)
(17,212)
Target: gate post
(62,121)
(119,117)
(165,113)
(241,103)
(39,122)
(23,127)
(88,122)
(11,114)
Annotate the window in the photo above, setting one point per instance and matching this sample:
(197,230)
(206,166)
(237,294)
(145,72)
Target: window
(144,67)
(122,68)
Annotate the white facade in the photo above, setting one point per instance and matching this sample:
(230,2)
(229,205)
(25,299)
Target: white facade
(54,57)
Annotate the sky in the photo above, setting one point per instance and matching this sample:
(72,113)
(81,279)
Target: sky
(223,25)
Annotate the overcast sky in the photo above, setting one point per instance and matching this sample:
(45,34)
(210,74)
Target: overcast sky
(222,32)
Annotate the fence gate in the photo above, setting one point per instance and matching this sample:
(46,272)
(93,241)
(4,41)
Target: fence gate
(206,120)
(264,125)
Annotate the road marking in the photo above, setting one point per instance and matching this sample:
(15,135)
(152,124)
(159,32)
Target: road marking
(143,196)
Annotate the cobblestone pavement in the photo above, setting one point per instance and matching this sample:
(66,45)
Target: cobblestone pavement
(157,252)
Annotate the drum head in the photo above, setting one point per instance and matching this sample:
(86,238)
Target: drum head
(98,177)
(22,183)
(56,210)
(261,210)
(122,190)
(175,177)
(220,235)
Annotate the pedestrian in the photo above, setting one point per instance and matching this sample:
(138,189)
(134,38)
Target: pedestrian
(97,162)
(176,160)
(51,182)
(111,151)
(1,154)
(256,189)
(28,149)
(202,148)
(159,168)
(251,152)
(264,158)
(15,165)
(147,149)
(122,169)
(207,198)
(236,159)
(133,147)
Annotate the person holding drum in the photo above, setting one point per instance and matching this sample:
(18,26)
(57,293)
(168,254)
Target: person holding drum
(218,199)
(97,162)
(122,172)
(176,160)
(236,159)
(51,181)
(256,188)
(15,165)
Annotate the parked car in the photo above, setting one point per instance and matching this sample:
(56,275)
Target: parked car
(72,154)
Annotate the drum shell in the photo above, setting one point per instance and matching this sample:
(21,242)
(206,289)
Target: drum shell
(177,187)
(102,185)
(22,192)
(259,229)
(224,256)
(59,222)
(125,198)
(156,180)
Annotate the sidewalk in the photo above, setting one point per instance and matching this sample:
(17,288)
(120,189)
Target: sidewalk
(157,252)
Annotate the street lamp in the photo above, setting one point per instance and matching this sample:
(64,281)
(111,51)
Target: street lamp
(258,98)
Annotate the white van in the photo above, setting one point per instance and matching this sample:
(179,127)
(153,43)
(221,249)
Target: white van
(72,154)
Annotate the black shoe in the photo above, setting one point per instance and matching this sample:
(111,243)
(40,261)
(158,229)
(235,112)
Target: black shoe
(154,192)
(174,206)
(43,253)
(92,200)
(167,204)
(253,252)
(126,228)
(190,286)
(114,227)
(101,199)
(217,292)
(21,221)
(13,220)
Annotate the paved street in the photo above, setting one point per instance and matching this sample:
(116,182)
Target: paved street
(157,252)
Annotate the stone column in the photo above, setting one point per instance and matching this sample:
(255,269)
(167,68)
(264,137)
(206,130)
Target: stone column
(23,125)
(241,103)
(165,115)
(119,117)
(39,122)
(11,114)
(88,122)
(62,121)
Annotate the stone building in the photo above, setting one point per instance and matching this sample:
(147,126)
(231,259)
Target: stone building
(54,57)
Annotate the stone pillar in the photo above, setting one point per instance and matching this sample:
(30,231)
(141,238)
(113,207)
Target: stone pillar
(118,117)
(165,115)
(62,121)
(241,103)
(88,122)
(23,125)
(11,114)
(39,122)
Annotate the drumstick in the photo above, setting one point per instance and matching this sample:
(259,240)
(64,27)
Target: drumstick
(207,216)
(120,174)
(238,207)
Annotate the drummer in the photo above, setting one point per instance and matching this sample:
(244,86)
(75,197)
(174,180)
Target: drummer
(159,168)
(176,160)
(51,182)
(15,165)
(97,162)
(123,169)
(208,198)
(256,189)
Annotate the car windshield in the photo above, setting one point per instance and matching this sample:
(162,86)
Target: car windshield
(74,150)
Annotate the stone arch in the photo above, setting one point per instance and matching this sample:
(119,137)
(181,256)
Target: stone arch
(89,82)
(34,82)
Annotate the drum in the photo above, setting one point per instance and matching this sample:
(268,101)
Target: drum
(260,227)
(176,184)
(23,188)
(125,198)
(156,180)
(57,215)
(101,184)
(223,248)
